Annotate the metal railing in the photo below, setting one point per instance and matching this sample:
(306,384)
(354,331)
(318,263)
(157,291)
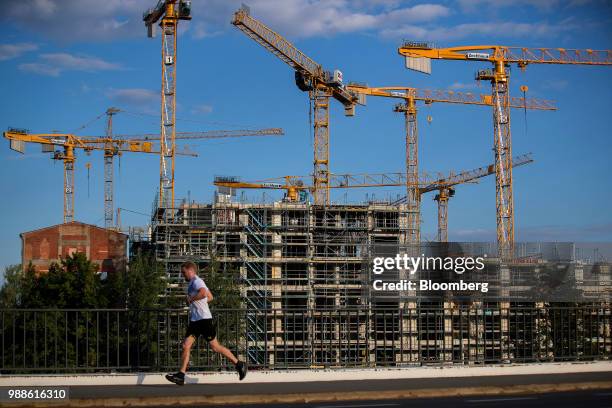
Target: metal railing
(104,340)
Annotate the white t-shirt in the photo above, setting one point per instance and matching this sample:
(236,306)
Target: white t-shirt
(198,309)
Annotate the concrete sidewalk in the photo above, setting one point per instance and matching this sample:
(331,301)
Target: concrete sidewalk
(289,387)
(312,375)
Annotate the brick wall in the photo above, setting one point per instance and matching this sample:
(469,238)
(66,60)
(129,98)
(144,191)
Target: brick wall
(104,247)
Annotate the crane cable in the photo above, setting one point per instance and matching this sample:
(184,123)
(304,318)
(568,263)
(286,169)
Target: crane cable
(205,122)
(88,166)
(525,88)
(310,128)
(134,212)
(88,123)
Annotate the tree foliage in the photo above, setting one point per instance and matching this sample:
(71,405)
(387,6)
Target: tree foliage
(75,283)
(10,291)
(144,283)
(224,284)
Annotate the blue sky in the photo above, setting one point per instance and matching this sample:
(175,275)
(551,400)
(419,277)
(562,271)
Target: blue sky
(65,62)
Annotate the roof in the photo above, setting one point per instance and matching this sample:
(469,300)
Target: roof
(72,223)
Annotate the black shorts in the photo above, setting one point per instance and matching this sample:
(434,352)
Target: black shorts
(203,327)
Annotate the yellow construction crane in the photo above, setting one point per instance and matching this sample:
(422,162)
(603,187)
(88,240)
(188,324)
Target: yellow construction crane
(118,140)
(322,85)
(411,96)
(312,78)
(418,58)
(208,134)
(445,189)
(169,12)
(68,144)
(297,190)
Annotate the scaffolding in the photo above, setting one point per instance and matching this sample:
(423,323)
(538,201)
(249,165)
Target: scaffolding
(305,282)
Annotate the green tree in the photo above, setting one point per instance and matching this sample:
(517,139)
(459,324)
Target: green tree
(224,285)
(11,289)
(144,282)
(75,283)
(114,289)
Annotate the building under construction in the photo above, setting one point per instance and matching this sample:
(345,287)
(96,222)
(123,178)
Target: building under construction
(305,273)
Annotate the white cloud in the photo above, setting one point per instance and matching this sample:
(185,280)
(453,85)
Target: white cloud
(201,30)
(475,5)
(78,20)
(85,20)
(10,51)
(418,13)
(301,18)
(499,29)
(513,29)
(133,96)
(54,64)
(78,63)
(202,109)
(41,69)
(544,6)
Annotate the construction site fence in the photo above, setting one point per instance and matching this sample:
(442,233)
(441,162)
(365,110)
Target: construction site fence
(113,340)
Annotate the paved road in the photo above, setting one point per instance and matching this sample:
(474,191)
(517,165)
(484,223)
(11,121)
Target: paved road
(245,388)
(522,391)
(595,399)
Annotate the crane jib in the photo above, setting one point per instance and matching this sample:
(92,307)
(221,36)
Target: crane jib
(308,72)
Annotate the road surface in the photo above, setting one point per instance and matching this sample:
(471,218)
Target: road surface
(592,389)
(557,400)
(245,388)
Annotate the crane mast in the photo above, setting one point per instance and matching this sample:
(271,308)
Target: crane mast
(109,154)
(409,109)
(310,77)
(502,146)
(320,103)
(168,111)
(418,58)
(442,199)
(169,12)
(413,195)
(68,158)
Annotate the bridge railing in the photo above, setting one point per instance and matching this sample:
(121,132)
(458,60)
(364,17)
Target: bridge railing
(118,340)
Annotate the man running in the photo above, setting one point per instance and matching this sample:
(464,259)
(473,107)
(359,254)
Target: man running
(200,323)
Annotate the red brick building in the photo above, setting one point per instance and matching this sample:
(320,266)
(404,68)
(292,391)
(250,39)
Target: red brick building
(44,246)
